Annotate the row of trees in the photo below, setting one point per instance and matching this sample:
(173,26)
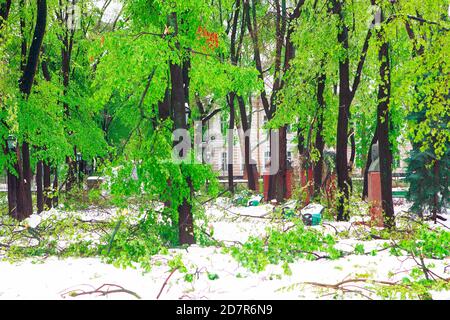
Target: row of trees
(339,72)
(362,60)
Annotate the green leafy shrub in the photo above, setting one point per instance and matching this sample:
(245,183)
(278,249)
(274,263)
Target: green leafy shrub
(279,246)
(434,244)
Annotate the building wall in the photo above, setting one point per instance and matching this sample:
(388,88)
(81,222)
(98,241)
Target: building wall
(259,143)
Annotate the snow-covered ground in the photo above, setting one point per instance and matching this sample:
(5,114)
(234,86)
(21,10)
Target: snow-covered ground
(55,278)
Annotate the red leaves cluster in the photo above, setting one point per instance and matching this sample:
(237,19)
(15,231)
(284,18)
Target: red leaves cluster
(212,38)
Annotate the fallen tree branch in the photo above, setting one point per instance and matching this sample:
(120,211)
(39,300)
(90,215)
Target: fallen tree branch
(165,282)
(99,290)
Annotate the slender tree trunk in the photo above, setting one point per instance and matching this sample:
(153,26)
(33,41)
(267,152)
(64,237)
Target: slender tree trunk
(280,191)
(66,56)
(343,117)
(46,167)
(23,201)
(230,143)
(178,100)
(47,186)
(251,169)
(436,196)
(55,188)
(12,192)
(39,187)
(353,149)
(186,220)
(319,143)
(21,214)
(28,177)
(269,106)
(164,106)
(384,94)
(11,178)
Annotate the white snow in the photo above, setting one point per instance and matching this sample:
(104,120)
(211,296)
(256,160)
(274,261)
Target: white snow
(55,278)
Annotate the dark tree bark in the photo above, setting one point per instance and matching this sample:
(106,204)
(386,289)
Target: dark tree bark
(251,169)
(343,115)
(46,167)
(346,95)
(280,190)
(186,220)
(23,202)
(384,94)
(352,148)
(231,99)
(47,186)
(319,142)
(435,208)
(29,72)
(164,106)
(55,188)
(4,11)
(11,178)
(178,99)
(230,142)
(253,30)
(277,182)
(67,40)
(39,187)
(28,177)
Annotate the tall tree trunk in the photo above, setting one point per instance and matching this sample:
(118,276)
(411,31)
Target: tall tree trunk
(28,177)
(250,168)
(47,186)
(178,100)
(269,104)
(186,220)
(319,142)
(346,96)
(343,116)
(39,187)
(23,201)
(46,167)
(66,56)
(11,178)
(435,208)
(55,198)
(164,106)
(280,190)
(230,143)
(384,94)
(232,95)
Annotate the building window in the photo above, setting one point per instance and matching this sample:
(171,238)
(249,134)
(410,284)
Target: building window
(266,158)
(224,161)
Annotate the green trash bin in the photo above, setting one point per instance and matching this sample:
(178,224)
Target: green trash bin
(312,214)
(255,201)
